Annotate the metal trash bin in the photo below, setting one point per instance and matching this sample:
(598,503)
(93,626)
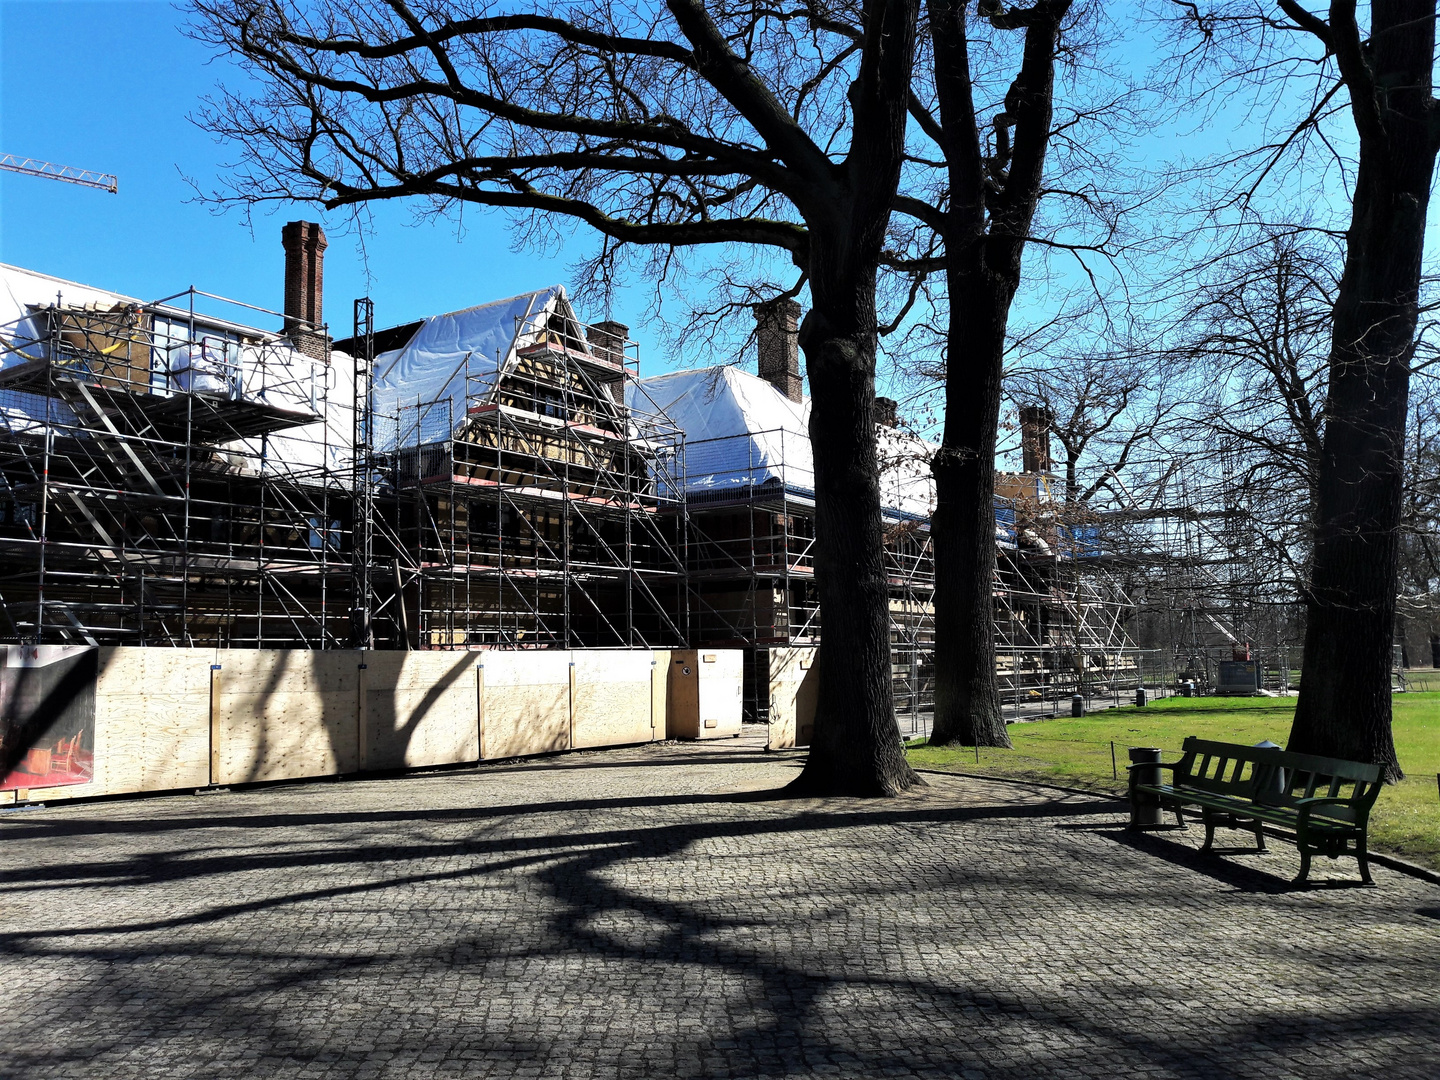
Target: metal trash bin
(1077,705)
(1187,689)
(1272,781)
(1144,807)
(1140,696)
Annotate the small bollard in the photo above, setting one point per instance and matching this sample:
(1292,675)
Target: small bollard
(1144,807)
(1077,705)
(1140,696)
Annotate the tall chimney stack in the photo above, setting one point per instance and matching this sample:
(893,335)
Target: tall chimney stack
(777,333)
(607,341)
(1035,438)
(305,286)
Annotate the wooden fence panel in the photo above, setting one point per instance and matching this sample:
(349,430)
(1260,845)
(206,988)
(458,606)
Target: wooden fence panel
(284,714)
(794,682)
(421,709)
(614,699)
(525,703)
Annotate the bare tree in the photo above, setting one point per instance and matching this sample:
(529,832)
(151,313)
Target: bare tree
(1418,593)
(672,127)
(1106,406)
(986,136)
(1258,357)
(1380,78)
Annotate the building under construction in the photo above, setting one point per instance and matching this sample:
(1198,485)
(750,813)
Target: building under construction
(494,477)
(750,499)
(516,498)
(170,474)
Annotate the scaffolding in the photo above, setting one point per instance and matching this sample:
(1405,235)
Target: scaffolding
(167,478)
(547,513)
(1209,573)
(170,476)
(1061,612)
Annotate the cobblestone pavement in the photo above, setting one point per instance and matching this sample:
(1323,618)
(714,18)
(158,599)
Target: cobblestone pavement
(650,912)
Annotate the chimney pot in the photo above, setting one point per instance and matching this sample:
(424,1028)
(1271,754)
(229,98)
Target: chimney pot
(777,336)
(886,411)
(305,245)
(1035,438)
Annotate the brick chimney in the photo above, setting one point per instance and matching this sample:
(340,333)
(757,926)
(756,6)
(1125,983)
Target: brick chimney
(305,286)
(1035,438)
(777,334)
(607,341)
(887,411)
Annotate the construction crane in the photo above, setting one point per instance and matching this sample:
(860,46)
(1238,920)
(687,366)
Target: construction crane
(32,167)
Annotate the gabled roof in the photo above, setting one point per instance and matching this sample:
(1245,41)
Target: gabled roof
(741,431)
(454,355)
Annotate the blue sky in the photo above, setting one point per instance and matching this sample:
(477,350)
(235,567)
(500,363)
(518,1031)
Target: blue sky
(108,86)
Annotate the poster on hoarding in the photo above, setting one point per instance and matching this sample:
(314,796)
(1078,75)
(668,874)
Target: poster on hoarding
(47,715)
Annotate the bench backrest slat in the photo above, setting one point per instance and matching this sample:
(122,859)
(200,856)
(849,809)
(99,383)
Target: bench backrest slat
(1280,778)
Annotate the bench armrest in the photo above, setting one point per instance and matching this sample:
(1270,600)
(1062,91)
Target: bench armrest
(1303,808)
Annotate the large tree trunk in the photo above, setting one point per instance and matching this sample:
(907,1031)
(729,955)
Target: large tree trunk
(1344,705)
(967,700)
(985,237)
(855,748)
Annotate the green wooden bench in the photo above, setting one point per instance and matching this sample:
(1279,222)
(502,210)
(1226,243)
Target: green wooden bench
(1325,800)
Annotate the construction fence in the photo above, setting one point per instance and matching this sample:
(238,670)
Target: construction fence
(79,721)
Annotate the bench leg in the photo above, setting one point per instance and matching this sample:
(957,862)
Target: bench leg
(1209,832)
(1363,857)
(1259,837)
(1301,878)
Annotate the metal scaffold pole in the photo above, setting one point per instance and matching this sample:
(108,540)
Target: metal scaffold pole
(363,539)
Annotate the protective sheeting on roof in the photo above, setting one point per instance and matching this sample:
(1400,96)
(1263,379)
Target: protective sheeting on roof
(23,291)
(22,294)
(165,350)
(741,431)
(423,386)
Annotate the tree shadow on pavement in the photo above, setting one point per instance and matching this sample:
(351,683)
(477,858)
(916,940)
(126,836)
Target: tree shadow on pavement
(641,905)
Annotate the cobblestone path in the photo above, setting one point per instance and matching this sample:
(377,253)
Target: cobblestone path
(651,913)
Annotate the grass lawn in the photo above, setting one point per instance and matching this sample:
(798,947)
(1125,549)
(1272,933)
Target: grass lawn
(1076,753)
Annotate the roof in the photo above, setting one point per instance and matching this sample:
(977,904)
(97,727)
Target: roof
(23,291)
(266,370)
(452,357)
(742,432)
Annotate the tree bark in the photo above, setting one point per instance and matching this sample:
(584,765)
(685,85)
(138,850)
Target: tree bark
(982,274)
(855,748)
(967,698)
(1344,705)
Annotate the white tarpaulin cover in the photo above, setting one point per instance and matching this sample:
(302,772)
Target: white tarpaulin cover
(451,356)
(268,370)
(21,291)
(742,431)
